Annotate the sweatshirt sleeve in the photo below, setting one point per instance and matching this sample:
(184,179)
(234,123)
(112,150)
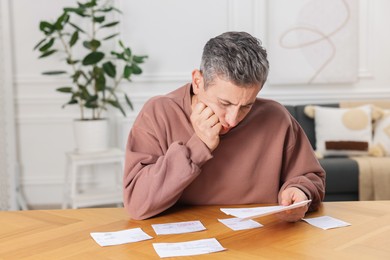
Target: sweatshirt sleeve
(156,171)
(301,168)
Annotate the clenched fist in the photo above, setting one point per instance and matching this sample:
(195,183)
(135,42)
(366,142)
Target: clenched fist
(206,125)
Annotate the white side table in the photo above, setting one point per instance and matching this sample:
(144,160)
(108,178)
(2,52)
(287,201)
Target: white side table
(107,195)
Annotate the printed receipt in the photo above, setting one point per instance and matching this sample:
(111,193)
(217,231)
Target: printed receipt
(240,224)
(255,212)
(120,237)
(178,227)
(196,247)
(326,222)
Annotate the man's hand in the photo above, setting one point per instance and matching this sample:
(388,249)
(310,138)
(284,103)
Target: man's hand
(290,196)
(206,125)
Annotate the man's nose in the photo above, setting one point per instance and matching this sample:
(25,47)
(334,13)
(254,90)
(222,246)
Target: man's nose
(231,117)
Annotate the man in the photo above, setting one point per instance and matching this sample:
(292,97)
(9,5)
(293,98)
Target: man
(213,141)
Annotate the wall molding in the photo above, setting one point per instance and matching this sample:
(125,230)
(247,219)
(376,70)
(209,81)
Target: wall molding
(269,91)
(321,96)
(366,39)
(24,79)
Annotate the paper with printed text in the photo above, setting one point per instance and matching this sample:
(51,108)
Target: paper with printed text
(255,212)
(178,227)
(196,247)
(120,237)
(326,222)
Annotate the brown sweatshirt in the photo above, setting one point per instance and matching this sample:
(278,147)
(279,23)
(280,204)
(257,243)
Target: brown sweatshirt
(166,162)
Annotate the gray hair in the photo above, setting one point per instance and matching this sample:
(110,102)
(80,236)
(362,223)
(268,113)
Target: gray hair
(237,57)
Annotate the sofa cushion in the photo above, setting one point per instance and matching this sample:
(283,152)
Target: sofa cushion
(343,131)
(382,133)
(307,123)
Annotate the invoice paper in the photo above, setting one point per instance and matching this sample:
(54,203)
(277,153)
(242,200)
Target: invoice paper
(178,227)
(195,247)
(326,222)
(255,212)
(239,224)
(120,237)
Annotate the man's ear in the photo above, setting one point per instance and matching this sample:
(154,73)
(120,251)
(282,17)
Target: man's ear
(197,81)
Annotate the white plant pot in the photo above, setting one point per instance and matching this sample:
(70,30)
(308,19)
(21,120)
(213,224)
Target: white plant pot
(91,135)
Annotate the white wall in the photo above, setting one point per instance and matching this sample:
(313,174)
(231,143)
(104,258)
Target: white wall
(172,33)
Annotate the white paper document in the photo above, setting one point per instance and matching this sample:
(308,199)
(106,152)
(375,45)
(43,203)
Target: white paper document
(326,222)
(255,212)
(196,247)
(239,223)
(178,227)
(120,237)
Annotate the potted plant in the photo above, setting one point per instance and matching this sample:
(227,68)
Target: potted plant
(82,37)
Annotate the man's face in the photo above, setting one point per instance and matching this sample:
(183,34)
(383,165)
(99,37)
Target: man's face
(229,102)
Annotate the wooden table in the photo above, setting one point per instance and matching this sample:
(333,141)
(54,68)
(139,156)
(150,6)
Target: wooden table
(57,234)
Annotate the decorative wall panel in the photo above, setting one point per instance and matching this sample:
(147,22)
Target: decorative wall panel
(313,41)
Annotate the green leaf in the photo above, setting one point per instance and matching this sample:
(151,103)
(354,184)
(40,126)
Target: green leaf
(47,45)
(39,43)
(109,69)
(74,38)
(110,37)
(65,89)
(91,102)
(61,21)
(87,45)
(79,11)
(117,10)
(73,9)
(46,27)
(47,53)
(89,4)
(96,70)
(139,59)
(128,52)
(71,102)
(93,58)
(71,62)
(129,102)
(100,81)
(76,27)
(116,104)
(118,55)
(106,10)
(84,94)
(76,75)
(99,19)
(54,72)
(136,70)
(95,44)
(121,44)
(92,45)
(127,71)
(109,24)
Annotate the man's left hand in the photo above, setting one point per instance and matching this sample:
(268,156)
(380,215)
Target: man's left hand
(290,196)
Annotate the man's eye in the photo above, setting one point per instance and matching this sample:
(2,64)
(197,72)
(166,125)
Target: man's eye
(246,107)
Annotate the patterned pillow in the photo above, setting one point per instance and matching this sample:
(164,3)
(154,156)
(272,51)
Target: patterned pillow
(343,131)
(382,133)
